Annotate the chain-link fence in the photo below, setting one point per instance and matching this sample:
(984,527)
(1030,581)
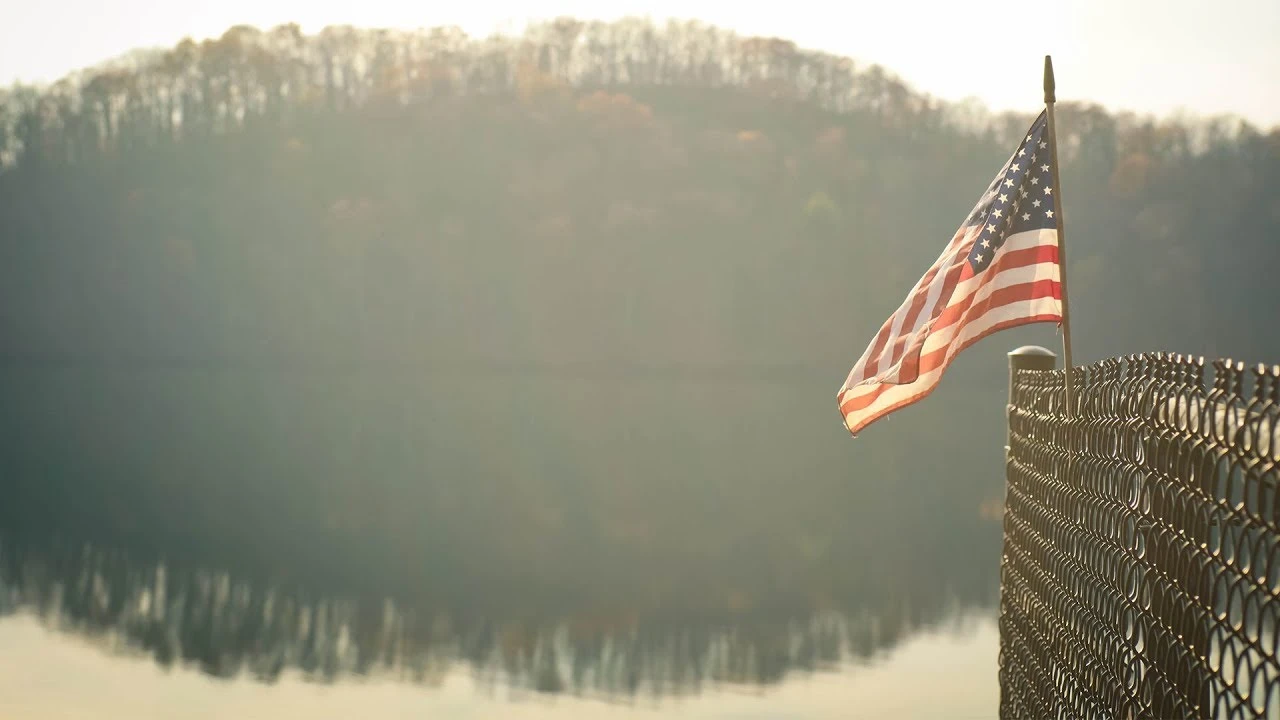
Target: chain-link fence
(1141,564)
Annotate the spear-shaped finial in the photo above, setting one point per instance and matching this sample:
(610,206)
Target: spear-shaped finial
(1048,80)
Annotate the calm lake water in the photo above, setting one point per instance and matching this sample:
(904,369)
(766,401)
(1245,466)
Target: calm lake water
(250,544)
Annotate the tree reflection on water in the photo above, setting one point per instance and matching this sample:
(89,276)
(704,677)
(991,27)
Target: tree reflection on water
(229,626)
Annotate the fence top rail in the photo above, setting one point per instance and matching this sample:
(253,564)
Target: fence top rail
(1225,399)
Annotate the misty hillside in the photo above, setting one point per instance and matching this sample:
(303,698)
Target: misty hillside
(578,300)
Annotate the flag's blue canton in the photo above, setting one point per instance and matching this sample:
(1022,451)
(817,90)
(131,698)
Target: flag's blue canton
(1021,198)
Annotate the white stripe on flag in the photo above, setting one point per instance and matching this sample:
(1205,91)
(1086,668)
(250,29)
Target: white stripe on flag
(926,382)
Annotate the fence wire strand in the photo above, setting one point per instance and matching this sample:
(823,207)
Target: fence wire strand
(1141,562)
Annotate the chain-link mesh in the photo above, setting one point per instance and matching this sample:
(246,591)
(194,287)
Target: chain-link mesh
(1141,563)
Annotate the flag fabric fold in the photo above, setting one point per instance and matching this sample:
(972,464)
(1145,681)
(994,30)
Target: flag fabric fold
(999,270)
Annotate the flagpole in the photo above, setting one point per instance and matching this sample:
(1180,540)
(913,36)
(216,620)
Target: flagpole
(1049,100)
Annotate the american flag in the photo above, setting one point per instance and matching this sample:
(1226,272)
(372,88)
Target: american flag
(1000,270)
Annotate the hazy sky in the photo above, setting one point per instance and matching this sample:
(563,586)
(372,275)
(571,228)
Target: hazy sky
(1153,56)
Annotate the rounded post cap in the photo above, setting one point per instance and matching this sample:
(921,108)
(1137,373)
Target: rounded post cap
(1032,350)
(1033,357)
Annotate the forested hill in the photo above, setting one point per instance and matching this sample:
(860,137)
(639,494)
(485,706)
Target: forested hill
(607,194)
(572,306)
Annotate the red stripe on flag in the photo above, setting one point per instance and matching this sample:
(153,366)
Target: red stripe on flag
(909,369)
(919,295)
(882,338)
(935,359)
(945,315)
(1014,260)
(862,424)
(917,304)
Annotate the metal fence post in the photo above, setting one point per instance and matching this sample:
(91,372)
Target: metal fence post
(1027,357)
